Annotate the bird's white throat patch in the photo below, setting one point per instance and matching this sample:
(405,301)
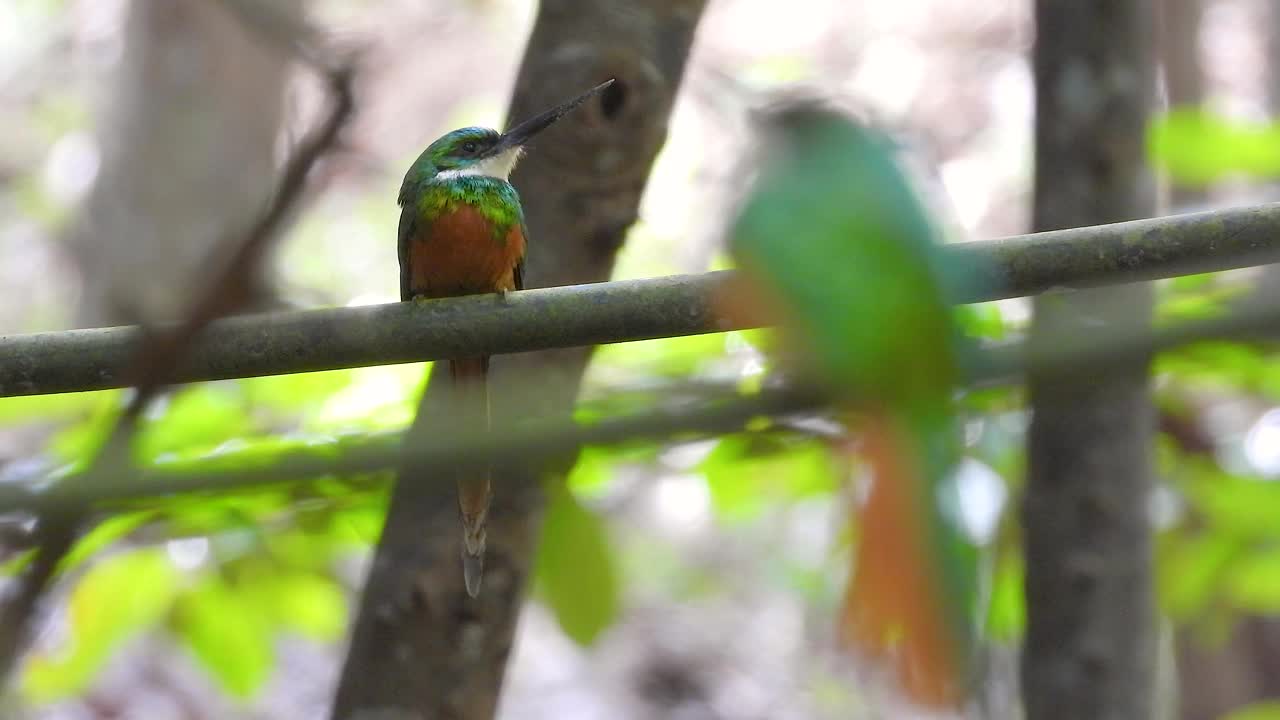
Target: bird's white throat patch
(498,166)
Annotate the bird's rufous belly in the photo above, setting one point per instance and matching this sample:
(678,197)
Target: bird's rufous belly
(460,254)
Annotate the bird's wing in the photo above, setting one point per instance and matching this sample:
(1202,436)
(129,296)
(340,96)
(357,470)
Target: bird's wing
(519,272)
(408,226)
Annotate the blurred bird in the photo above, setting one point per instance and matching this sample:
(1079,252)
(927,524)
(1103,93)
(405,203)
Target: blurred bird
(462,232)
(834,244)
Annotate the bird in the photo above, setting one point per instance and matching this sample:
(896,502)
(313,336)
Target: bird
(833,240)
(462,232)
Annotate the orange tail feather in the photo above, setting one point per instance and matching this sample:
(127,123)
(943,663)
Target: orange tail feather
(892,607)
(470,380)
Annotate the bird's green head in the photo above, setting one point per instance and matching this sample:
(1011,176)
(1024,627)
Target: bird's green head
(472,148)
(483,151)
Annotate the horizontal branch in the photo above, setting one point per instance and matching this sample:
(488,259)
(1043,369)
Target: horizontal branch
(329,339)
(524,442)
(518,444)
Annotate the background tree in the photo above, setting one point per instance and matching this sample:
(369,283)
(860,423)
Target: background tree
(181,160)
(697,576)
(580,192)
(1090,623)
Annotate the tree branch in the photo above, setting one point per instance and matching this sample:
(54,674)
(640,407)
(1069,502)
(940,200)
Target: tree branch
(721,410)
(310,340)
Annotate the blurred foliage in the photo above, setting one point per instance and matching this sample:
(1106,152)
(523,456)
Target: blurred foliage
(227,633)
(749,473)
(1197,147)
(119,596)
(226,574)
(1267,710)
(574,567)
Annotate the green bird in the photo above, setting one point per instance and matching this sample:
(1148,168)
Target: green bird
(462,232)
(835,244)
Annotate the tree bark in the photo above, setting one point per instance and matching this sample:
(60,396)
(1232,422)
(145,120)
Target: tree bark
(1090,647)
(187,152)
(1273,57)
(1220,677)
(1180,22)
(421,648)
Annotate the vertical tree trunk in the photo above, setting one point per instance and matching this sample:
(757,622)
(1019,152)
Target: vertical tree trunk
(1219,678)
(187,146)
(421,648)
(1183,74)
(1273,56)
(1089,650)
(1211,680)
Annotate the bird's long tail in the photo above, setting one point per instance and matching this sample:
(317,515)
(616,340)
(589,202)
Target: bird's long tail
(470,381)
(903,603)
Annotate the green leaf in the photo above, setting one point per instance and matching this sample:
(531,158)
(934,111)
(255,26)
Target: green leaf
(103,535)
(79,441)
(981,320)
(1253,582)
(227,634)
(1007,613)
(311,605)
(117,597)
(1269,384)
(380,397)
(1265,710)
(1191,307)
(17,563)
(49,408)
(1242,507)
(575,567)
(294,548)
(748,473)
(992,400)
(1199,281)
(1190,572)
(199,417)
(294,394)
(1197,147)
(675,356)
(591,473)
(358,526)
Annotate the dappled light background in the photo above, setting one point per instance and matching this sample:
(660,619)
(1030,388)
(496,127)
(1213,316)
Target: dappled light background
(724,559)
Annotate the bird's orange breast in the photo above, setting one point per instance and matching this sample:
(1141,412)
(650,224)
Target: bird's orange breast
(459,253)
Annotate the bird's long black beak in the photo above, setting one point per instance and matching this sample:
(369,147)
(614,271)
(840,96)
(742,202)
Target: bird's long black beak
(520,134)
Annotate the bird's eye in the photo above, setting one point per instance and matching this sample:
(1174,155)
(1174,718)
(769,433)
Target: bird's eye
(469,146)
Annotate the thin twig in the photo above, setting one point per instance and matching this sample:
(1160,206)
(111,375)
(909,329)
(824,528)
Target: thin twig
(158,358)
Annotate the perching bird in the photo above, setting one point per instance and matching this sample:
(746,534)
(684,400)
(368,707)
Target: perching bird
(462,232)
(833,241)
